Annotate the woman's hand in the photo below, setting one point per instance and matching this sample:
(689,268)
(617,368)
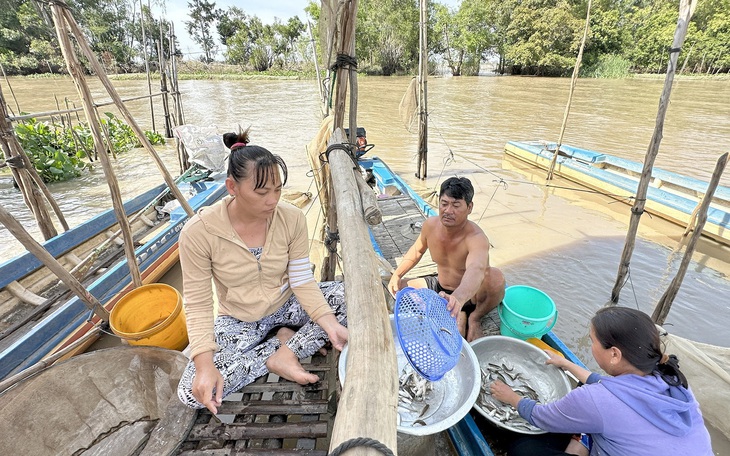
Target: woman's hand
(504,393)
(557,360)
(207,380)
(336,333)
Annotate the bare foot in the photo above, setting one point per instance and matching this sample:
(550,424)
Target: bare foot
(285,364)
(576,448)
(284,334)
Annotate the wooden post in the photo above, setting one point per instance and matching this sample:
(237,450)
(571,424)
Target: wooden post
(665,303)
(346,47)
(89,53)
(10,87)
(686,9)
(51,263)
(573,80)
(371,386)
(422,166)
(24,173)
(163,89)
(76,72)
(322,97)
(146,62)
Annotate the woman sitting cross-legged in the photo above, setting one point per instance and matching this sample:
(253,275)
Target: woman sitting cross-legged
(644,406)
(256,252)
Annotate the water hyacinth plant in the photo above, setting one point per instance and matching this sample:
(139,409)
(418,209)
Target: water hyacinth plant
(58,151)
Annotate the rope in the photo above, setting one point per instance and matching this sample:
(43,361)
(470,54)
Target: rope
(361,442)
(347,147)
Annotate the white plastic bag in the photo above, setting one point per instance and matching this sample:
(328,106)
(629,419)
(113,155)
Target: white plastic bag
(204,145)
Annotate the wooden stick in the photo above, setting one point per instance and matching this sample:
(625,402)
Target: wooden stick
(51,263)
(322,97)
(371,211)
(7,81)
(665,303)
(84,45)
(573,80)
(686,10)
(146,62)
(422,165)
(346,44)
(60,18)
(41,115)
(25,175)
(46,362)
(371,386)
(163,88)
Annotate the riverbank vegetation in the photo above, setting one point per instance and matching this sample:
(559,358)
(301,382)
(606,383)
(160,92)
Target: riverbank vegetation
(535,37)
(61,151)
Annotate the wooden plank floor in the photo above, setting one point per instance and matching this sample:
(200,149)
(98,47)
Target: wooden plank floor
(402,221)
(272,416)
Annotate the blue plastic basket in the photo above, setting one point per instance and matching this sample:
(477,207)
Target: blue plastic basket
(427,332)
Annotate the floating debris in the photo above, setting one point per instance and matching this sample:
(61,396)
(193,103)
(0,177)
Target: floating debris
(498,411)
(413,392)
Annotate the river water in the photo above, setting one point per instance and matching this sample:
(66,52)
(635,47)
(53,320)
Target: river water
(563,241)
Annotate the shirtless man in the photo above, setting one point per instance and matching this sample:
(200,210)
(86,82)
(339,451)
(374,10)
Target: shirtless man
(460,250)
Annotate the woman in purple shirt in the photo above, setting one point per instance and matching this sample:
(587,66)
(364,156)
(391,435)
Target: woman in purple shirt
(643,407)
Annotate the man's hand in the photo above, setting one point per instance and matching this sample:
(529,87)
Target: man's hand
(394,284)
(452,305)
(208,382)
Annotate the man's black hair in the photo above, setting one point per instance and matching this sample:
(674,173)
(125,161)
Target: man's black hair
(457,188)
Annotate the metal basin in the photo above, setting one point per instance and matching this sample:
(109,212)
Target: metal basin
(549,382)
(450,400)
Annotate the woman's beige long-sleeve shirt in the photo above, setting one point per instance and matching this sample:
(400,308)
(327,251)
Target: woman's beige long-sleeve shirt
(248,289)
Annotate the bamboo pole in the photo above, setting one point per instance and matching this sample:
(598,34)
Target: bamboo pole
(41,115)
(322,98)
(665,303)
(12,93)
(686,10)
(422,166)
(346,46)
(371,386)
(573,80)
(60,18)
(146,62)
(163,89)
(46,362)
(51,263)
(89,53)
(30,183)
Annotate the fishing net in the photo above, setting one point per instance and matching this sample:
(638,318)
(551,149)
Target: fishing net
(427,332)
(408,108)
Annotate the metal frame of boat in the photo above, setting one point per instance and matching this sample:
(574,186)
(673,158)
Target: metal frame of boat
(670,195)
(466,436)
(73,319)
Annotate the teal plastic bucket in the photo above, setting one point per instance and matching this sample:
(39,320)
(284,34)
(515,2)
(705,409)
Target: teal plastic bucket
(526,312)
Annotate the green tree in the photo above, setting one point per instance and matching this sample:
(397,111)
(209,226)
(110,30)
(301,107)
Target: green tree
(203,15)
(544,36)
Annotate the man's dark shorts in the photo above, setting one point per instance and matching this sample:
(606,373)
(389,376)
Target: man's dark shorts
(432,282)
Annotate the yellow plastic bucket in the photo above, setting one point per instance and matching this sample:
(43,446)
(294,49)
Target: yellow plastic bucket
(151,315)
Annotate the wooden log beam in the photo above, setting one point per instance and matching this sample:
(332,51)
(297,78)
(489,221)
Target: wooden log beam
(99,70)
(371,386)
(17,230)
(60,19)
(346,46)
(370,208)
(665,303)
(686,10)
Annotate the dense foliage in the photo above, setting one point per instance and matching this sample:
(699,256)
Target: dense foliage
(58,150)
(518,36)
